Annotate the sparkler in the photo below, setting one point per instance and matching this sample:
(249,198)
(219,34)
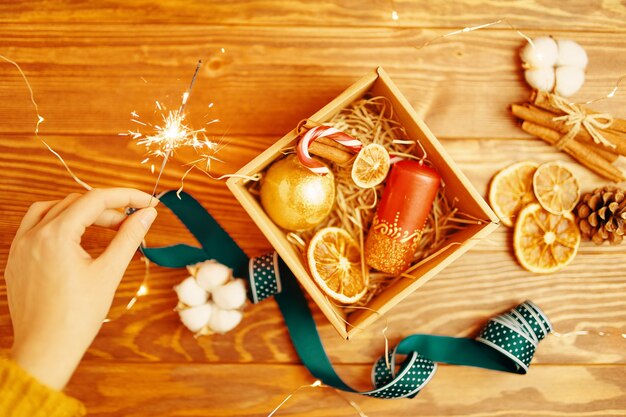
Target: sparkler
(174,133)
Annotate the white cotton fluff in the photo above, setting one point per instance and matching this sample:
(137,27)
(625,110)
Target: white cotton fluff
(231,295)
(554,65)
(211,274)
(223,321)
(542,79)
(569,80)
(189,293)
(196,318)
(543,55)
(571,54)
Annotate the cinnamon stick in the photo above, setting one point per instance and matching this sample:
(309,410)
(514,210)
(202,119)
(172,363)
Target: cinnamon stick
(578,151)
(330,142)
(545,118)
(330,151)
(542,99)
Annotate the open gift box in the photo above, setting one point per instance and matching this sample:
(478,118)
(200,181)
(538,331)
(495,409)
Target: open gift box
(457,188)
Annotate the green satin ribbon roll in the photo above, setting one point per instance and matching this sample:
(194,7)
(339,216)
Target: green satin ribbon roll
(507,343)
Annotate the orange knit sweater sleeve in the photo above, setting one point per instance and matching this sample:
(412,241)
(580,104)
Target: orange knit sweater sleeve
(21,395)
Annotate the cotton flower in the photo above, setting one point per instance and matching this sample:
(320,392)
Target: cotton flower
(541,78)
(571,54)
(196,318)
(211,301)
(211,274)
(543,53)
(554,65)
(189,293)
(223,321)
(230,296)
(568,80)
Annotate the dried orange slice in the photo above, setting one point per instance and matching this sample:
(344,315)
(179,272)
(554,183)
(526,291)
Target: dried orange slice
(371,166)
(335,262)
(556,188)
(545,242)
(511,190)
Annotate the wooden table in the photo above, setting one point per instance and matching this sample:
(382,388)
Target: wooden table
(92,63)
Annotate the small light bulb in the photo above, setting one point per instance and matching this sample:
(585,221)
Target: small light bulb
(143,290)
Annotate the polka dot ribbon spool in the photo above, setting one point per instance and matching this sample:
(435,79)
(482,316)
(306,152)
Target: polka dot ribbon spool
(316,133)
(517,333)
(405,382)
(507,343)
(264,277)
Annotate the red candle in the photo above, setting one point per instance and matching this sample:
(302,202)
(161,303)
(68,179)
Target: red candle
(401,215)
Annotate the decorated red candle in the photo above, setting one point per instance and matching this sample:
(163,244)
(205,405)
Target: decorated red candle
(401,215)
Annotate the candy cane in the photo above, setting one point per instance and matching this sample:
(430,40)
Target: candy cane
(317,132)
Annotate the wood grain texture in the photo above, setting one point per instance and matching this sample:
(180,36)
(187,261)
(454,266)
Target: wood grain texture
(282,63)
(586,296)
(554,15)
(272,74)
(254,390)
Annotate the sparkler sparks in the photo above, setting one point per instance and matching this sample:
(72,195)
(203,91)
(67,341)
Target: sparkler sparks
(174,133)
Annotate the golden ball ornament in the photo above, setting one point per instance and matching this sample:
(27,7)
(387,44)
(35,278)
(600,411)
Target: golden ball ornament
(294,197)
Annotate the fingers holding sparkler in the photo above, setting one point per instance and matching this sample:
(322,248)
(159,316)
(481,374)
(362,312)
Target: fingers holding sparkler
(90,206)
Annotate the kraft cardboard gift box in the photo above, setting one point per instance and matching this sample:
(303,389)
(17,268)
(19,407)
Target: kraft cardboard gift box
(457,188)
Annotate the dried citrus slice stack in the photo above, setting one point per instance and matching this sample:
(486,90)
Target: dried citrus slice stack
(334,260)
(556,188)
(545,242)
(371,166)
(511,190)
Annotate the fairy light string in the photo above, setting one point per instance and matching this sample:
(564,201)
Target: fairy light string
(178,118)
(319,384)
(473,28)
(40,119)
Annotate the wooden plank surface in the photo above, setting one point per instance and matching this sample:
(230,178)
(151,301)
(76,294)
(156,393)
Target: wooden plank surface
(281,63)
(273,74)
(256,389)
(579,14)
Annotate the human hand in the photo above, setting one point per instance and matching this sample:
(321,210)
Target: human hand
(58,294)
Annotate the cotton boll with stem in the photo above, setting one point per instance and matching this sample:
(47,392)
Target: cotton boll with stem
(196,318)
(542,53)
(571,54)
(231,295)
(569,80)
(189,293)
(542,79)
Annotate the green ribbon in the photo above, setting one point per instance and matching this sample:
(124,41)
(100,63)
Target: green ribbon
(507,343)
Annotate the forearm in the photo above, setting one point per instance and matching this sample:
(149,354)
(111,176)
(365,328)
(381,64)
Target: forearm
(52,369)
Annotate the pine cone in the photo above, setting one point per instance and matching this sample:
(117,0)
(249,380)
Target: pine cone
(602,215)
